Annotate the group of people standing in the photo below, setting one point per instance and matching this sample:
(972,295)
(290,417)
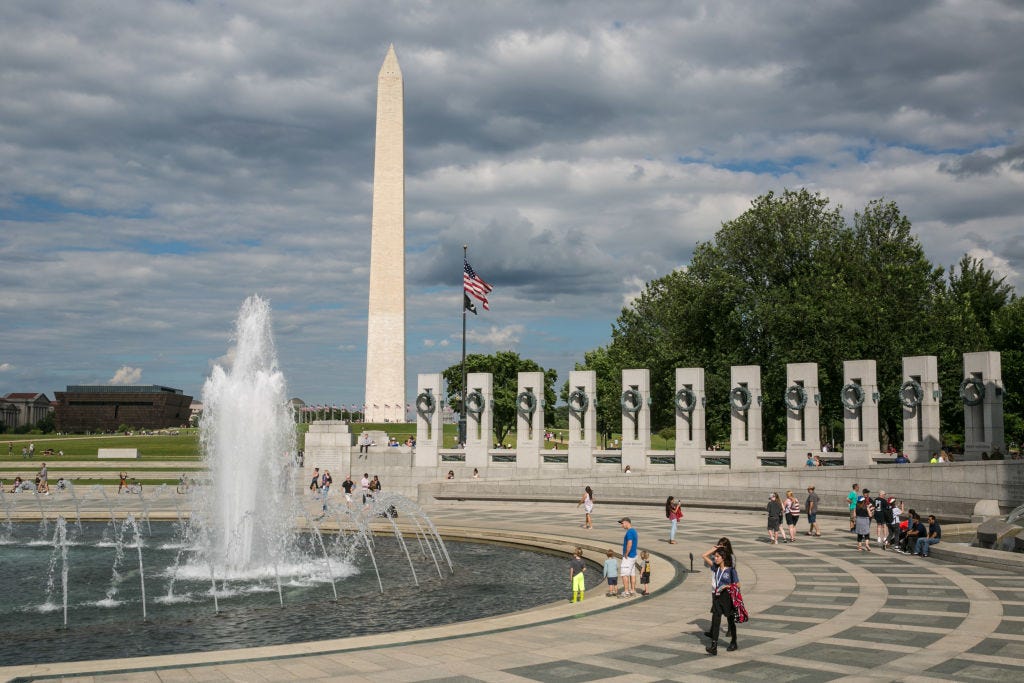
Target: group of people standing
(320,485)
(788,509)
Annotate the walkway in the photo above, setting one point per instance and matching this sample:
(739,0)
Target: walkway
(820,611)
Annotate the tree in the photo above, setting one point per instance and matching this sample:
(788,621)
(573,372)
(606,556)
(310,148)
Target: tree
(505,367)
(790,281)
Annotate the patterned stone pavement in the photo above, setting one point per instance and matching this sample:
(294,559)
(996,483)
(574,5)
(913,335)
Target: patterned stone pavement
(820,611)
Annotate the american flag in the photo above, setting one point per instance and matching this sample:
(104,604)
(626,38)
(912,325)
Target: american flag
(474,286)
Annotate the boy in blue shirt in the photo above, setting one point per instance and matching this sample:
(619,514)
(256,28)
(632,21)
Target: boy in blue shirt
(611,572)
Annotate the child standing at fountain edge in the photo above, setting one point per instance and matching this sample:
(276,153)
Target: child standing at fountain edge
(577,568)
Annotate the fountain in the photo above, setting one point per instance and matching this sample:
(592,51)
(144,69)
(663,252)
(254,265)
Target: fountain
(247,565)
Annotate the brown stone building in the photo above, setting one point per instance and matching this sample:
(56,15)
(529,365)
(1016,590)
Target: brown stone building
(105,408)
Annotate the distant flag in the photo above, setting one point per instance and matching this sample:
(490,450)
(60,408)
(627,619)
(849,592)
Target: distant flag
(468,304)
(473,285)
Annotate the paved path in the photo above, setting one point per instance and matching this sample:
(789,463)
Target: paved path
(820,611)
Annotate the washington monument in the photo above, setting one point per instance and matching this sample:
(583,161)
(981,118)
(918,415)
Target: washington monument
(385,329)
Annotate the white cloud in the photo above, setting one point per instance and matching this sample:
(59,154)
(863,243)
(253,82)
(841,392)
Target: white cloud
(126,375)
(6,367)
(496,338)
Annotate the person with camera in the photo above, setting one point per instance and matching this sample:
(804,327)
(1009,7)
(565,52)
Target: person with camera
(723,577)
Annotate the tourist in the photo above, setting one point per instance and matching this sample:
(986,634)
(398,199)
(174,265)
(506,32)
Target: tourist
(901,458)
(577,569)
(724,575)
(817,461)
(314,485)
(611,573)
(629,549)
(645,572)
(924,543)
(851,498)
(364,487)
(882,515)
(895,510)
(123,483)
(476,473)
(451,474)
(17,485)
(627,470)
(812,512)
(774,509)
(375,485)
(325,487)
(587,501)
(347,487)
(791,508)
(43,481)
(673,512)
(862,524)
(915,530)
(364,444)
(810,461)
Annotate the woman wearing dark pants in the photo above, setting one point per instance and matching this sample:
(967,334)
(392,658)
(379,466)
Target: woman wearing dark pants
(723,575)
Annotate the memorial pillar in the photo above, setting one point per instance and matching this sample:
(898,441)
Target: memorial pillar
(746,443)
(859,397)
(479,418)
(982,394)
(582,418)
(429,433)
(803,412)
(636,418)
(690,409)
(920,397)
(529,419)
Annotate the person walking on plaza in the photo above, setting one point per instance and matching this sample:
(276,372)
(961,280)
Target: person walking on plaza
(587,501)
(44,480)
(577,569)
(629,551)
(723,576)
(314,485)
(611,573)
(812,513)
(791,508)
(674,513)
(851,498)
(862,524)
(881,517)
(774,509)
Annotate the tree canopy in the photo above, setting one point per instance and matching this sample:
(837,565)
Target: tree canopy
(505,367)
(789,281)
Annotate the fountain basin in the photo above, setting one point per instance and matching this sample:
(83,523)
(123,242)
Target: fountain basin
(488,580)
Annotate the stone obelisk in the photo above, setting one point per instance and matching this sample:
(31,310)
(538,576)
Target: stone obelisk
(385,329)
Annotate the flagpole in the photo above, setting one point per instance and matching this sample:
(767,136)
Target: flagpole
(462,413)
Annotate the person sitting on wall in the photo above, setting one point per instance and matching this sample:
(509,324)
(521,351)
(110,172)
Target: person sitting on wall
(810,461)
(902,458)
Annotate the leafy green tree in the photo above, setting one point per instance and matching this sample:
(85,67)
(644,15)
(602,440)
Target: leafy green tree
(505,367)
(790,281)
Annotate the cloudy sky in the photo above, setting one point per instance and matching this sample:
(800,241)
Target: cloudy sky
(160,161)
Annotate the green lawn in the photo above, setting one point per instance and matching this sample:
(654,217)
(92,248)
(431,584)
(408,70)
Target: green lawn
(185,446)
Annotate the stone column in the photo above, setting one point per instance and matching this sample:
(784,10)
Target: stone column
(479,423)
(982,394)
(636,424)
(803,430)
(920,397)
(582,422)
(529,423)
(746,443)
(860,422)
(429,432)
(690,409)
